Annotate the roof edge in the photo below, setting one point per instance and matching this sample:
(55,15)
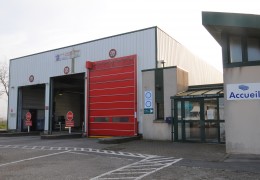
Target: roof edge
(231,19)
(130,32)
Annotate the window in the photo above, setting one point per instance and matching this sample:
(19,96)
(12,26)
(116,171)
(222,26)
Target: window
(235,49)
(242,51)
(253,49)
(210,109)
(222,122)
(179,110)
(160,111)
(120,119)
(101,119)
(192,110)
(221,108)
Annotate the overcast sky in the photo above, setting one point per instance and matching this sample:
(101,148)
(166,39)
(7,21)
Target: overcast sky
(31,26)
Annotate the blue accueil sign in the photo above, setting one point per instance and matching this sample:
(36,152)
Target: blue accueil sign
(243,91)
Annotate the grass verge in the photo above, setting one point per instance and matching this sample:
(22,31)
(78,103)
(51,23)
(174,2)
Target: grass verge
(3,125)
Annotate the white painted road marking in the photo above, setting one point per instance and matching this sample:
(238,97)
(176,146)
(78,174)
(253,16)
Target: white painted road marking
(148,165)
(79,153)
(29,159)
(136,171)
(118,153)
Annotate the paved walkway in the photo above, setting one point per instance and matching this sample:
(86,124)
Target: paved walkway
(195,154)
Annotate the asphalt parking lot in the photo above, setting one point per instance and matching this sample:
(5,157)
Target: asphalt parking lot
(28,163)
(32,158)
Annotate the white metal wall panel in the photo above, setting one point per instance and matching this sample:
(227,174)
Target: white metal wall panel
(175,54)
(44,65)
(12,108)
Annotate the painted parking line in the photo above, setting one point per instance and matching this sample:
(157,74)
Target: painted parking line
(148,165)
(77,149)
(112,157)
(29,159)
(140,169)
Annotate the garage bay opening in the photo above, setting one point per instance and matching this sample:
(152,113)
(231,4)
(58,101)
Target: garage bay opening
(31,99)
(67,95)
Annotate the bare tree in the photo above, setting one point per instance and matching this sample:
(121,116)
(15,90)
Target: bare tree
(4,79)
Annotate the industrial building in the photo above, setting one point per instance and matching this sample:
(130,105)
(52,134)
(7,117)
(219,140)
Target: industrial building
(115,86)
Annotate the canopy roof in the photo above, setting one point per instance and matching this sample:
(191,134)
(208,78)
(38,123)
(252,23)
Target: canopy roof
(234,23)
(202,91)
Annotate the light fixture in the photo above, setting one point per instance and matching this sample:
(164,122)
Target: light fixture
(60,93)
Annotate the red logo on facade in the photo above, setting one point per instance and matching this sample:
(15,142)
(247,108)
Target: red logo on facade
(31,78)
(66,70)
(112,53)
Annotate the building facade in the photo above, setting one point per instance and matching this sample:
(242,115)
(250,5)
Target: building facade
(103,84)
(239,37)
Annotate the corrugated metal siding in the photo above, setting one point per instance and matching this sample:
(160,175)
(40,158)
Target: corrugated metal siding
(175,54)
(12,108)
(44,65)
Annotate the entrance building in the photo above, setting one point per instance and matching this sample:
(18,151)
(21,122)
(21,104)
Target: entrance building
(239,37)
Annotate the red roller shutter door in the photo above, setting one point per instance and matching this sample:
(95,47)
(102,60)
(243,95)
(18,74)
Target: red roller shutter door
(112,97)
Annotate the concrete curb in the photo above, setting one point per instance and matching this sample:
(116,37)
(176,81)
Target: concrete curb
(117,140)
(61,136)
(15,134)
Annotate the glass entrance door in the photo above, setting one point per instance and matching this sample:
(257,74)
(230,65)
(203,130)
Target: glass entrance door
(198,120)
(189,126)
(192,120)
(189,121)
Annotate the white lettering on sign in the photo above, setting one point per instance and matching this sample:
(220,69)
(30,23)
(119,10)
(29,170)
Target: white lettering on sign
(243,91)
